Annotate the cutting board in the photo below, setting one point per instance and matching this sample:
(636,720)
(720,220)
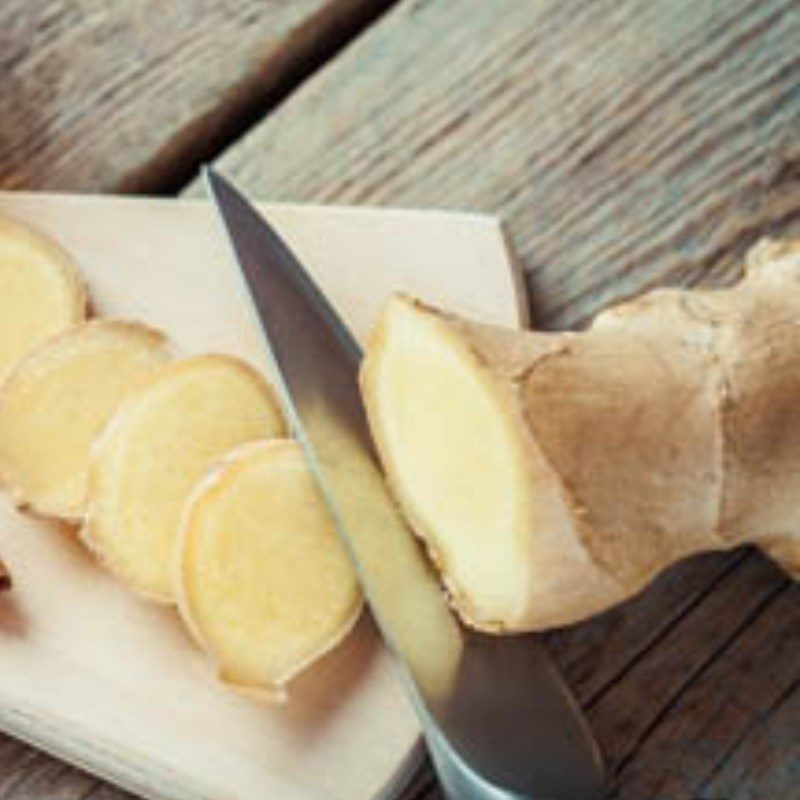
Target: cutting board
(111,683)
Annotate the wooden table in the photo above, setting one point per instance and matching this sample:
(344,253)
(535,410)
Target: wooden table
(629,144)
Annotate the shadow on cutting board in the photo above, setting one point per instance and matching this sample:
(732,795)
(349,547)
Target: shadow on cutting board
(315,695)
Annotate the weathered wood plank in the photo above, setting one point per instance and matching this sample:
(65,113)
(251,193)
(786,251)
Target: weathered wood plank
(28,774)
(599,654)
(649,700)
(130,95)
(629,145)
(724,721)
(767,759)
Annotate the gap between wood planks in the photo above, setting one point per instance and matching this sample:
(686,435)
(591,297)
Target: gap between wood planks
(316,42)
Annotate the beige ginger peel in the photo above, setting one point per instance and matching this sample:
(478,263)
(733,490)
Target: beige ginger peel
(553,475)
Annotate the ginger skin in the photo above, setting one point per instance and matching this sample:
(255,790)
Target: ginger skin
(670,427)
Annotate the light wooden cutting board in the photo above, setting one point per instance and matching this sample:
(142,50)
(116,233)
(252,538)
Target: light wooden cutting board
(111,683)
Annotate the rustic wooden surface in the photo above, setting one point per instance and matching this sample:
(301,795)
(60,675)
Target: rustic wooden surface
(629,144)
(129,94)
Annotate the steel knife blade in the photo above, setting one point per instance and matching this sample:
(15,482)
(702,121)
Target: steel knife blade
(497,716)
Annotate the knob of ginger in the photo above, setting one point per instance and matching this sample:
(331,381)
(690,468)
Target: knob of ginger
(553,475)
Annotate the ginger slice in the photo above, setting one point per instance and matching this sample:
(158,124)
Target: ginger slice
(264,583)
(41,291)
(162,440)
(58,398)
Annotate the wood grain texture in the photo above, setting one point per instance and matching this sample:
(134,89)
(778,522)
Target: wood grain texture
(718,705)
(112,94)
(629,145)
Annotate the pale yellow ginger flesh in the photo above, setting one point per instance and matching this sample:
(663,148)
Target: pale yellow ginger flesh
(263,581)
(554,475)
(40,291)
(155,449)
(56,401)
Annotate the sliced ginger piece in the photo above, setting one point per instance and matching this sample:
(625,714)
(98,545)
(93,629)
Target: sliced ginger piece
(162,440)
(58,398)
(265,585)
(41,291)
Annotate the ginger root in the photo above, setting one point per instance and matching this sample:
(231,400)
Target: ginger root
(553,475)
(264,583)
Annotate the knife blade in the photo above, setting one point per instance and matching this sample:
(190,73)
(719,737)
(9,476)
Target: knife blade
(498,718)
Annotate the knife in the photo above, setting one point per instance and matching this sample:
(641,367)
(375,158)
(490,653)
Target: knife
(498,719)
